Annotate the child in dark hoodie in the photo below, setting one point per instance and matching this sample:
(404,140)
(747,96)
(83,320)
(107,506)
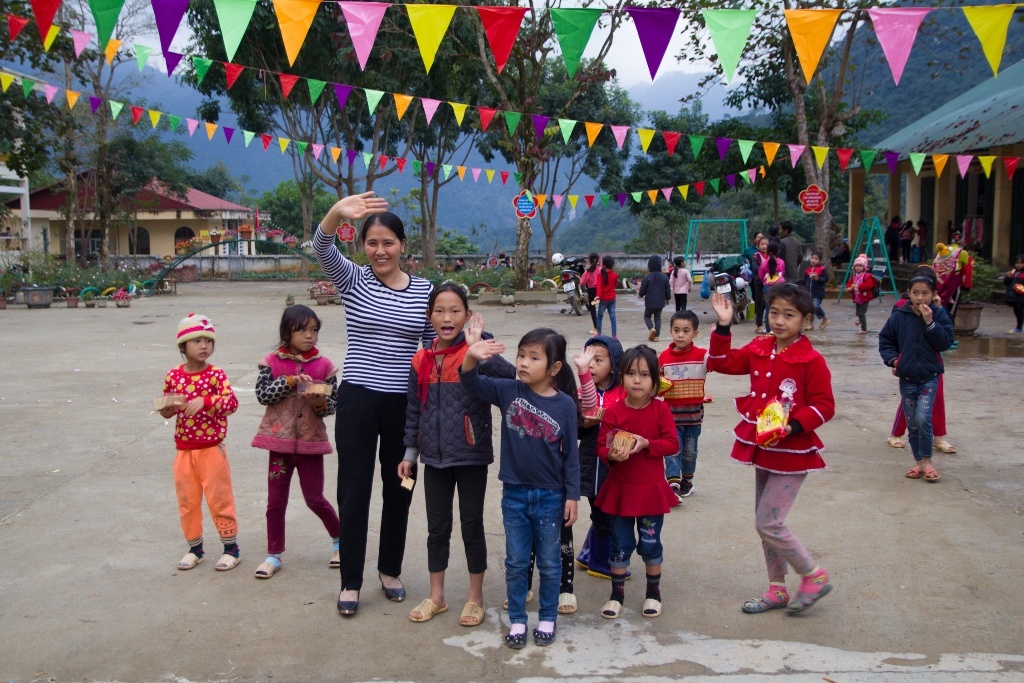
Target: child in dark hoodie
(656,291)
(911,344)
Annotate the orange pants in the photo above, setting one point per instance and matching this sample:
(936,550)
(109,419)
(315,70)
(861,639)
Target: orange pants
(199,471)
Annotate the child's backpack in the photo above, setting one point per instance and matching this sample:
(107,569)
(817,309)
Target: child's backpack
(876,288)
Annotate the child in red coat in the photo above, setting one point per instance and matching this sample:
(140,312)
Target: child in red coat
(636,494)
(782,366)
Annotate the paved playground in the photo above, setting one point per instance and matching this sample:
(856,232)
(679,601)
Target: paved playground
(927,576)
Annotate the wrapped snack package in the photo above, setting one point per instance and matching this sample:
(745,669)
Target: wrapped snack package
(597,415)
(771,423)
(622,443)
(664,385)
(315,389)
(168,401)
(408,483)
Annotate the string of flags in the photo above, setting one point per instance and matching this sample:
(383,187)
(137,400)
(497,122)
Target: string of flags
(728,29)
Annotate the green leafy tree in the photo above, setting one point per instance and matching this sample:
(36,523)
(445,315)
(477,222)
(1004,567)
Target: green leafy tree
(283,204)
(216,180)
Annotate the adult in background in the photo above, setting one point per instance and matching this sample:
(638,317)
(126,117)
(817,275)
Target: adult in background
(791,252)
(775,237)
(385,324)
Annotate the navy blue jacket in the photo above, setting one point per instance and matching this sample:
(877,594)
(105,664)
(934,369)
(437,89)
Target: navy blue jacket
(913,348)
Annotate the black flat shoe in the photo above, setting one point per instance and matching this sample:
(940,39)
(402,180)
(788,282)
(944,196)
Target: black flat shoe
(392,594)
(516,642)
(542,638)
(348,608)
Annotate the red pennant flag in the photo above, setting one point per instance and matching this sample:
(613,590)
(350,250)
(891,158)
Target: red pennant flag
(287,83)
(267,139)
(1011,165)
(45,10)
(671,140)
(400,162)
(844,154)
(14,25)
(383,160)
(700,187)
(486,115)
(589,198)
(234,71)
(501,25)
(137,113)
(504,177)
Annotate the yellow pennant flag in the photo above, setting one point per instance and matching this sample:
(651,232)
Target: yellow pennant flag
(646,135)
(294,17)
(683,190)
(653,194)
(211,128)
(770,150)
(429,24)
(820,154)
(462,172)
(490,175)
(540,199)
(6,80)
(72,98)
(283,142)
(990,24)
(154,117)
(335,153)
(939,161)
(592,130)
(573,198)
(986,164)
(51,36)
(811,30)
(460,111)
(402,103)
(113,45)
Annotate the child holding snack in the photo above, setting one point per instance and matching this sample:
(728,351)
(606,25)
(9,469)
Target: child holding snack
(861,285)
(785,372)
(201,464)
(298,386)
(450,432)
(686,367)
(636,435)
(540,465)
(816,277)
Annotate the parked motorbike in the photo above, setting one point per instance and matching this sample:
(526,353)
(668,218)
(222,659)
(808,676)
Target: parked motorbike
(569,281)
(725,279)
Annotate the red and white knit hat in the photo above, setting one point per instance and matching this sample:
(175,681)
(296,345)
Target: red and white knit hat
(195,326)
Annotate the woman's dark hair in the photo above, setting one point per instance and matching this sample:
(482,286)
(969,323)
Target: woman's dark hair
(925,275)
(388,220)
(607,263)
(554,346)
(773,253)
(454,287)
(295,318)
(799,296)
(594,259)
(643,354)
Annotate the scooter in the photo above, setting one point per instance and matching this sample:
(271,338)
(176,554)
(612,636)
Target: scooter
(736,289)
(569,281)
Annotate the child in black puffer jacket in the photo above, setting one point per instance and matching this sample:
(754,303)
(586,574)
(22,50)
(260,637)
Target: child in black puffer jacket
(656,291)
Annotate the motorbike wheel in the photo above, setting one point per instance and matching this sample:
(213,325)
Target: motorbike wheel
(576,302)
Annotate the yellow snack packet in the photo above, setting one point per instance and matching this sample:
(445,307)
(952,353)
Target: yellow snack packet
(771,423)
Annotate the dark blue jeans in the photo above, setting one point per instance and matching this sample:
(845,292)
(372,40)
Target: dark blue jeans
(918,399)
(647,541)
(683,463)
(533,520)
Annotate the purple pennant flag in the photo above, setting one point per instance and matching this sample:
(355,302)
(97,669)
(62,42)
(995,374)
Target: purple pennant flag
(228,132)
(342,92)
(430,169)
(172,58)
(622,198)
(723,146)
(654,26)
(169,14)
(95,103)
(893,159)
(731,179)
(539,124)
(351,154)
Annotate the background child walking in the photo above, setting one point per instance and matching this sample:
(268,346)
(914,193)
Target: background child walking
(861,285)
(816,276)
(607,282)
(681,281)
(1014,281)
(540,466)
(201,464)
(685,365)
(783,367)
(636,435)
(656,292)
(299,387)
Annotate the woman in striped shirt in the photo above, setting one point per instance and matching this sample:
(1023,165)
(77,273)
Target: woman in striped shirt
(385,324)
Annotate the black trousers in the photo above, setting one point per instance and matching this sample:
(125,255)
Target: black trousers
(439,485)
(680,302)
(591,306)
(363,417)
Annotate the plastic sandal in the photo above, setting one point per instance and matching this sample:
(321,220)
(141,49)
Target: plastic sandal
(652,608)
(895,442)
(516,642)
(611,609)
(428,609)
(914,473)
(805,599)
(543,638)
(335,561)
(566,603)
(774,598)
(931,475)
(472,614)
(189,561)
(945,447)
(529,596)
(227,562)
(266,570)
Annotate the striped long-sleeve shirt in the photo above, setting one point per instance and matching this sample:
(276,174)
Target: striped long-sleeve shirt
(384,326)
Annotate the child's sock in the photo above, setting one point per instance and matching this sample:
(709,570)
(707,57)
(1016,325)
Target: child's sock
(197,549)
(232,549)
(337,544)
(274,559)
(546,627)
(517,630)
(618,588)
(654,587)
(776,593)
(815,581)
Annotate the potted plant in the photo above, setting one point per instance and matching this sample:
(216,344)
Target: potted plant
(291,241)
(508,295)
(973,300)
(71,296)
(89,299)
(214,236)
(323,291)
(101,302)
(245,231)
(275,235)
(122,299)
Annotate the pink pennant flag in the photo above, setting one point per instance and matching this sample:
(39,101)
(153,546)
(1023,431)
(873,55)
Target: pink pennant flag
(317,150)
(51,91)
(363,19)
(963,162)
(667,193)
(654,26)
(752,173)
(81,39)
(429,107)
(896,29)
(557,199)
(794,153)
(192,125)
(476,174)
(620,134)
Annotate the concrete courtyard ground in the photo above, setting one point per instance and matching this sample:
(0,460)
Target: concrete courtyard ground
(927,576)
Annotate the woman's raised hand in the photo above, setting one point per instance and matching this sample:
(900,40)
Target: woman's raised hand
(723,307)
(352,208)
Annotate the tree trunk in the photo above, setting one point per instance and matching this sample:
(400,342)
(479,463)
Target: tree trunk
(548,249)
(524,232)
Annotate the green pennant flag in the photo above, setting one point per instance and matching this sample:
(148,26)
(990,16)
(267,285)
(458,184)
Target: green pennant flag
(367,159)
(233,17)
(373,98)
(302,147)
(696,142)
(512,121)
(714,184)
(604,200)
(729,30)
(417,166)
(115,109)
(567,126)
(105,14)
(447,168)
(248,135)
(26,86)
(142,55)
(315,88)
(572,29)
(519,177)
(746,177)
(867,157)
(746,146)
(917,160)
(201,65)
(173,122)
(637,196)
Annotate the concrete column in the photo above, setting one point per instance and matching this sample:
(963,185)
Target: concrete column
(1001,213)
(913,198)
(856,204)
(945,202)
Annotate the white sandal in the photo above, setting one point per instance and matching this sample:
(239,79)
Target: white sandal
(611,609)
(189,561)
(266,570)
(895,441)
(335,562)
(529,596)
(652,608)
(566,603)
(227,562)
(945,447)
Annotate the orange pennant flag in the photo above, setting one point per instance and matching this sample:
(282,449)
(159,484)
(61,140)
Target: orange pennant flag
(653,194)
(770,150)
(211,128)
(540,199)
(294,17)
(811,30)
(402,103)
(462,172)
(592,131)
(335,153)
(72,98)
(939,161)
(113,45)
